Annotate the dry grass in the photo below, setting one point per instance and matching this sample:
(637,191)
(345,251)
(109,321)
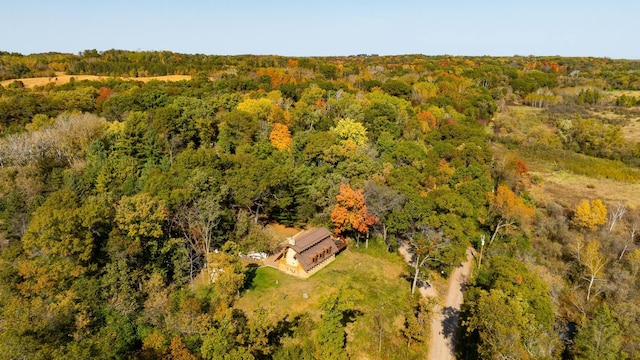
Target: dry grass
(629,119)
(616,93)
(60,79)
(567,189)
(566,177)
(280,231)
(631,131)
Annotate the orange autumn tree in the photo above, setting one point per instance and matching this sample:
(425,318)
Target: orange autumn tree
(351,213)
(280,137)
(427,120)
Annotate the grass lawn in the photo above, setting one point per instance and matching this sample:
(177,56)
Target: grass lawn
(378,276)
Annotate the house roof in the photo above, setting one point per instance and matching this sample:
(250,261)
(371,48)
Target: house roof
(312,243)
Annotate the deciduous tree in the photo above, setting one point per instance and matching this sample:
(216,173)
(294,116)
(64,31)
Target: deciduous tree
(348,129)
(198,224)
(594,262)
(280,137)
(509,210)
(351,213)
(600,338)
(614,214)
(589,215)
(425,245)
(381,200)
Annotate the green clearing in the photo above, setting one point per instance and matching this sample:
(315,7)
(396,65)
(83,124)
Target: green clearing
(378,276)
(589,166)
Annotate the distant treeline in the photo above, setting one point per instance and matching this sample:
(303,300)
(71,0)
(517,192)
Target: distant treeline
(616,74)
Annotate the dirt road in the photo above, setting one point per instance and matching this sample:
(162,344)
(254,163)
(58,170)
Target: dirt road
(445,320)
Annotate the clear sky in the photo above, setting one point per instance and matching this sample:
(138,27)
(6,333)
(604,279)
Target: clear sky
(600,28)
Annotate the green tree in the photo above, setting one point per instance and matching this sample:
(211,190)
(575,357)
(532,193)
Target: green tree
(140,221)
(58,247)
(500,336)
(589,96)
(237,128)
(506,286)
(226,273)
(599,337)
(330,333)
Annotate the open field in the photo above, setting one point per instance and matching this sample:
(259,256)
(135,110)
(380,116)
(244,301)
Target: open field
(379,277)
(560,180)
(60,79)
(631,132)
(568,189)
(567,177)
(284,294)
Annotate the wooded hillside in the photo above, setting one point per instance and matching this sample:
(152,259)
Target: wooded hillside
(126,206)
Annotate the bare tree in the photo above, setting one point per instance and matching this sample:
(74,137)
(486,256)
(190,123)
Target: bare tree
(616,214)
(382,200)
(198,224)
(65,141)
(634,227)
(425,245)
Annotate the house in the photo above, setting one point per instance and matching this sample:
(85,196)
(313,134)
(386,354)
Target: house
(308,251)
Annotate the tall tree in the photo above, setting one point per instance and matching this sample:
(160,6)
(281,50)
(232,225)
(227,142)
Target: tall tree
(614,214)
(594,262)
(198,224)
(426,245)
(351,213)
(599,338)
(381,200)
(509,210)
(57,246)
(350,130)
(280,137)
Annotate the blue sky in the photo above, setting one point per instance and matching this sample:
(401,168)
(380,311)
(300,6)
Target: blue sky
(309,28)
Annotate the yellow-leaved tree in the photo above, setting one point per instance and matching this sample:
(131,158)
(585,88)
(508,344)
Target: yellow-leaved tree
(350,130)
(589,215)
(594,262)
(509,210)
(259,107)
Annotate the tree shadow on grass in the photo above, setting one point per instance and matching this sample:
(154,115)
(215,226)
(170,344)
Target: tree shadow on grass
(249,275)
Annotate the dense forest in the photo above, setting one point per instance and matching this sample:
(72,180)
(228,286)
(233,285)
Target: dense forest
(128,206)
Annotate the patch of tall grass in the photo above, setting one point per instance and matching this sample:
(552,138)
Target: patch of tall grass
(585,165)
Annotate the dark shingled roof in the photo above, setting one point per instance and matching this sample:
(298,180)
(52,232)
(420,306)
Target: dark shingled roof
(313,243)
